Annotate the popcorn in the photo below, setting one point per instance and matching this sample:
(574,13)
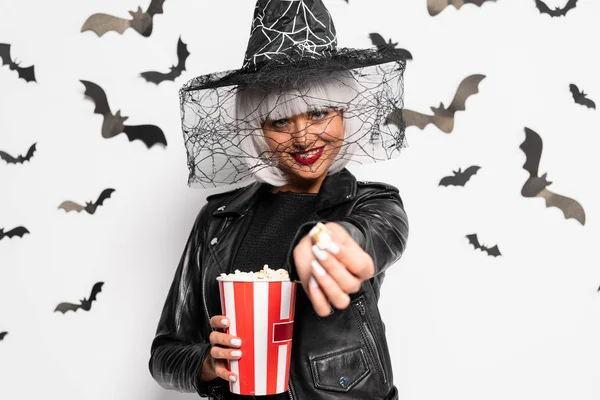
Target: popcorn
(320,236)
(265,274)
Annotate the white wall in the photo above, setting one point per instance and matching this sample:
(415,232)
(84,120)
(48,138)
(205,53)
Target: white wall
(461,325)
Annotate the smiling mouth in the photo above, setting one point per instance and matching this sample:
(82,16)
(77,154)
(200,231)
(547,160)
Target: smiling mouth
(308,157)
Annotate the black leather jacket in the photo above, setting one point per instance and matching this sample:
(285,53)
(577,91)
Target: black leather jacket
(342,356)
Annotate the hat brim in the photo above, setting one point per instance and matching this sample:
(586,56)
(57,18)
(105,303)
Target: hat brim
(293,70)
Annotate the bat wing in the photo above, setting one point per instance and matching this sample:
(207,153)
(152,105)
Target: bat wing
(474,241)
(448,180)
(182,55)
(103,196)
(493,251)
(570,207)
(588,103)
(149,134)
(30,152)
(95,290)
(544,9)
(377,40)
(155,7)
(2,334)
(476,2)
(102,23)
(8,158)
(158,77)
(469,172)
(571,4)
(64,307)
(5,54)
(71,206)
(18,231)
(468,87)
(413,118)
(532,147)
(27,73)
(575,91)
(98,96)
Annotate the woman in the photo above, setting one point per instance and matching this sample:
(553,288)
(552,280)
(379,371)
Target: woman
(294,136)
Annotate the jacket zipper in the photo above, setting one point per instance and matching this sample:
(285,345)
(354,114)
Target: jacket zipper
(363,324)
(290,388)
(224,225)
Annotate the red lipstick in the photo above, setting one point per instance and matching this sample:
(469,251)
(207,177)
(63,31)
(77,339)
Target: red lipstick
(301,158)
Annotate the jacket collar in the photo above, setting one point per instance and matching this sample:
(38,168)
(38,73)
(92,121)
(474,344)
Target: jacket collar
(336,188)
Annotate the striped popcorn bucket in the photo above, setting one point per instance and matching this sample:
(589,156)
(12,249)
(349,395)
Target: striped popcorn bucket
(261,313)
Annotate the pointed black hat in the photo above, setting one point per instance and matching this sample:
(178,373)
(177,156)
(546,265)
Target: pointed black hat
(291,40)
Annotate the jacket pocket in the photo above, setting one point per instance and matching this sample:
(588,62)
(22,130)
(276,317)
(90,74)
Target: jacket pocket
(360,312)
(339,371)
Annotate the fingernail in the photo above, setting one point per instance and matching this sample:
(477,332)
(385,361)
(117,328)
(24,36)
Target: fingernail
(224,321)
(320,254)
(232,378)
(236,342)
(332,247)
(236,353)
(313,282)
(318,268)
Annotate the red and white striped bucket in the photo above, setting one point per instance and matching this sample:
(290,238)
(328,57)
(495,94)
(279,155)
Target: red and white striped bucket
(262,315)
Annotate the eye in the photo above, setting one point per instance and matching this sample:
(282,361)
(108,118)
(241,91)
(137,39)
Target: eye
(319,114)
(278,123)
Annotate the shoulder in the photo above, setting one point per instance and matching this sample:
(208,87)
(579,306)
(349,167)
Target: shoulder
(375,186)
(222,196)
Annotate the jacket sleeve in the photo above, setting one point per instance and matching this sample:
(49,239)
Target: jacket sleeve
(180,345)
(377,222)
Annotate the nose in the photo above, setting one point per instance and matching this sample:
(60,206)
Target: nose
(299,132)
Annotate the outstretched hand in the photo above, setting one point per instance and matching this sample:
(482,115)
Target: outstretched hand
(329,275)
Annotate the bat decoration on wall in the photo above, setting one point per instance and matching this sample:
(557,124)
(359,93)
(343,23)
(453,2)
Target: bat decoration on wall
(141,21)
(112,125)
(176,70)
(85,304)
(18,231)
(491,251)
(442,117)
(20,159)
(26,73)
(580,97)
(460,177)
(535,186)
(2,334)
(89,207)
(557,12)
(383,46)
(437,6)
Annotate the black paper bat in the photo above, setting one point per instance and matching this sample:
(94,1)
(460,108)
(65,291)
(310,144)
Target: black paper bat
(141,21)
(437,6)
(492,251)
(85,304)
(442,117)
(383,46)
(557,12)
(26,73)
(580,97)
(20,159)
(18,231)
(89,206)
(112,125)
(176,70)
(460,177)
(535,186)
(2,334)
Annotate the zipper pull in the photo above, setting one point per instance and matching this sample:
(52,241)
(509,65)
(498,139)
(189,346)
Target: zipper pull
(361,307)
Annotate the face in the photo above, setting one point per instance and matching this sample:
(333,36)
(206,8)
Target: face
(306,144)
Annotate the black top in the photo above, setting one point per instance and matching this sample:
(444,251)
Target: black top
(276,220)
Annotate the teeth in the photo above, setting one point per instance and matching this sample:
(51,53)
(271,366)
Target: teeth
(308,154)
